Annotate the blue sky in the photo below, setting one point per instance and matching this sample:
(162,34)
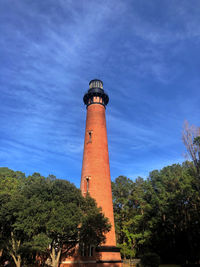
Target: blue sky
(146,53)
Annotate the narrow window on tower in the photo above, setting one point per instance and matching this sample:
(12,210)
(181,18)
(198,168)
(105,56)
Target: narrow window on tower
(91,251)
(83,250)
(87,186)
(89,137)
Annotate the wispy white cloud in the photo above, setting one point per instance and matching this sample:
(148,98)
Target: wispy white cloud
(50,52)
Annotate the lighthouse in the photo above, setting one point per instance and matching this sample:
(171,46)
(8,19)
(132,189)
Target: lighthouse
(95,176)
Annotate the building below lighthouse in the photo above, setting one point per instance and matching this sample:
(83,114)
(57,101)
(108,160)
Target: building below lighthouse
(95,176)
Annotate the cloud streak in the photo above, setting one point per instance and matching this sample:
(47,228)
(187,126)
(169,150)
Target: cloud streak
(145,52)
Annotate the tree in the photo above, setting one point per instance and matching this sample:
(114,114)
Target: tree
(94,224)
(47,217)
(121,190)
(172,200)
(191,139)
(129,204)
(10,182)
(160,215)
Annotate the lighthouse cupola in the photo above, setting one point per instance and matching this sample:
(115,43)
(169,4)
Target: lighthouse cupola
(96,94)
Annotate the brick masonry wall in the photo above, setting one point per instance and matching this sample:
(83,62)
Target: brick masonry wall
(95,169)
(95,179)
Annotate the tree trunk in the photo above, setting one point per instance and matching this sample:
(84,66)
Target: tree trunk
(17,260)
(55,258)
(14,251)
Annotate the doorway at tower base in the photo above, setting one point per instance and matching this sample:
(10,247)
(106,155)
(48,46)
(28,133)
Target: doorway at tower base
(104,256)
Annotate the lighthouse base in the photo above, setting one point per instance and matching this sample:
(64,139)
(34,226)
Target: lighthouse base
(91,264)
(104,256)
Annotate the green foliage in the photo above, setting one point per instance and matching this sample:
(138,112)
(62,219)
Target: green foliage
(197,141)
(129,203)
(160,214)
(94,225)
(45,216)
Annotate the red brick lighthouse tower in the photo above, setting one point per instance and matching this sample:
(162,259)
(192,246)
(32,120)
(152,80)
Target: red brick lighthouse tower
(95,177)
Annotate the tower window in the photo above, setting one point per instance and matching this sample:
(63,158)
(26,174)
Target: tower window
(91,251)
(87,184)
(83,250)
(86,250)
(89,137)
